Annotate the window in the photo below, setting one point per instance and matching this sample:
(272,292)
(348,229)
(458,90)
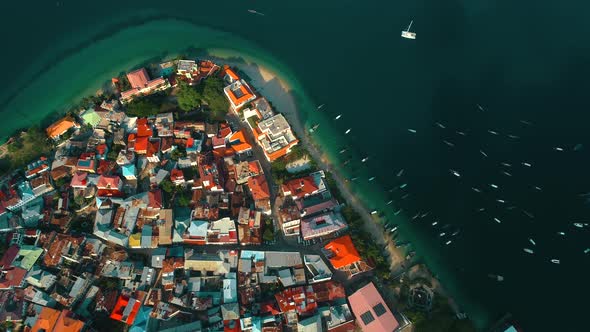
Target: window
(379,309)
(367,317)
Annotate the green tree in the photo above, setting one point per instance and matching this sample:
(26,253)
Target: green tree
(183,200)
(167,186)
(268,235)
(142,107)
(188,98)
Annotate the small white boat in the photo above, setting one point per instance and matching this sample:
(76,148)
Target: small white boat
(506,173)
(579,225)
(416,216)
(497,220)
(496,277)
(455,173)
(338,117)
(493,186)
(532,242)
(442,234)
(476,189)
(374,212)
(388,203)
(483,153)
(347,131)
(480,108)
(561,233)
(397,212)
(493,132)
(528,251)
(320,107)
(252,11)
(526,122)
(558,149)
(435,223)
(527,164)
(448,242)
(425,214)
(342,151)
(449,143)
(501,201)
(538,188)
(555,261)
(400,173)
(393,229)
(481,209)
(461,133)
(407,33)
(371,178)
(456,232)
(587,250)
(364,159)
(413,131)
(403,185)
(440,125)
(530,215)
(506,164)
(513,136)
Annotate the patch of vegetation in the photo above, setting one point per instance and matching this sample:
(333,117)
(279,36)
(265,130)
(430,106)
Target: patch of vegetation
(279,170)
(211,94)
(144,106)
(440,318)
(187,96)
(26,148)
(269,233)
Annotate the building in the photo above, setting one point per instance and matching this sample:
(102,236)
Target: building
(304,186)
(290,220)
(141,84)
(260,193)
(275,137)
(238,142)
(344,257)
(371,310)
(249,230)
(126,309)
(322,225)
(239,94)
(60,127)
(317,268)
(263,108)
(109,185)
(247,169)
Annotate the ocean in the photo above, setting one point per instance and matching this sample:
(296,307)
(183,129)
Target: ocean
(518,60)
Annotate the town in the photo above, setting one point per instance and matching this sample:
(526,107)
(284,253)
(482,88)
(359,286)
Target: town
(184,201)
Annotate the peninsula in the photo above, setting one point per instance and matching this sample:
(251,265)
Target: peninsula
(184,199)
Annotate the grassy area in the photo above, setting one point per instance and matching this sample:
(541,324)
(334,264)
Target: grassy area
(279,171)
(252,121)
(26,148)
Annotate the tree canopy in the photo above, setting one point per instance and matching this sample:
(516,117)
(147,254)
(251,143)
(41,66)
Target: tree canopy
(188,98)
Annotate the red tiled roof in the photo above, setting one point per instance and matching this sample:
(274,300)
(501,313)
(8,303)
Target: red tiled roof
(176,174)
(155,199)
(259,187)
(79,179)
(344,252)
(9,256)
(231,73)
(108,182)
(141,144)
(12,277)
(300,187)
(138,78)
(122,303)
(60,127)
(143,128)
(224,130)
(239,142)
(46,320)
(66,323)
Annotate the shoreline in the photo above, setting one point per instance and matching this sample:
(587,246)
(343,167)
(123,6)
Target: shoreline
(285,103)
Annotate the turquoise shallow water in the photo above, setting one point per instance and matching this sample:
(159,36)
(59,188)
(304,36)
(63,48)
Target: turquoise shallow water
(510,58)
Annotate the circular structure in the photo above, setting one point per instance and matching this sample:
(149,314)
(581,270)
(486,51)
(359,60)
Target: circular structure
(421,297)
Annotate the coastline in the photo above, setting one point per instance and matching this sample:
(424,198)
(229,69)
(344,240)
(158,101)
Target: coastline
(280,94)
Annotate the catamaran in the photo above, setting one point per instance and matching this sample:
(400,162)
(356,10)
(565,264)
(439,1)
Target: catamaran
(407,34)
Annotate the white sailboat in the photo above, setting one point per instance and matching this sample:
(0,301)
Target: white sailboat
(407,34)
